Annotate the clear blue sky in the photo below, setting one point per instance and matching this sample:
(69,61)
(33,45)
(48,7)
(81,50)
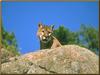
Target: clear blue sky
(22,18)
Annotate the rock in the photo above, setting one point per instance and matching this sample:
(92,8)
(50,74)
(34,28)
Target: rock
(68,59)
(6,55)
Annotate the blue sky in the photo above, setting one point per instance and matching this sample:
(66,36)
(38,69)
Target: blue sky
(22,18)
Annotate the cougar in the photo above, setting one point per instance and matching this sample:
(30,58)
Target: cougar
(47,40)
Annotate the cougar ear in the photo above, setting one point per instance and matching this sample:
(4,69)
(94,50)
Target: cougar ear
(40,25)
(52,27)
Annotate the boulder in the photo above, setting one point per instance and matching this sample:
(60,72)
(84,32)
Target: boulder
(68,59)
(6,55)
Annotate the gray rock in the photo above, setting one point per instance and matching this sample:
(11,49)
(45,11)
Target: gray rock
(5,55)
(16,67)
(68,59)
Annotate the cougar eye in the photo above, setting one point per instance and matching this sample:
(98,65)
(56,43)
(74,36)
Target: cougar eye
(43,31)
(49,32)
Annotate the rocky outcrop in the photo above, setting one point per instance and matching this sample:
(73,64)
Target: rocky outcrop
(68,59)
(5,55)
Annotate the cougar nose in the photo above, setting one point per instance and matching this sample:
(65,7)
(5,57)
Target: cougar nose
(46,34)
(47,37)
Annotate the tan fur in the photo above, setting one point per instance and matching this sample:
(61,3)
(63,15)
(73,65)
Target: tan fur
(56,43)
(47,40)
